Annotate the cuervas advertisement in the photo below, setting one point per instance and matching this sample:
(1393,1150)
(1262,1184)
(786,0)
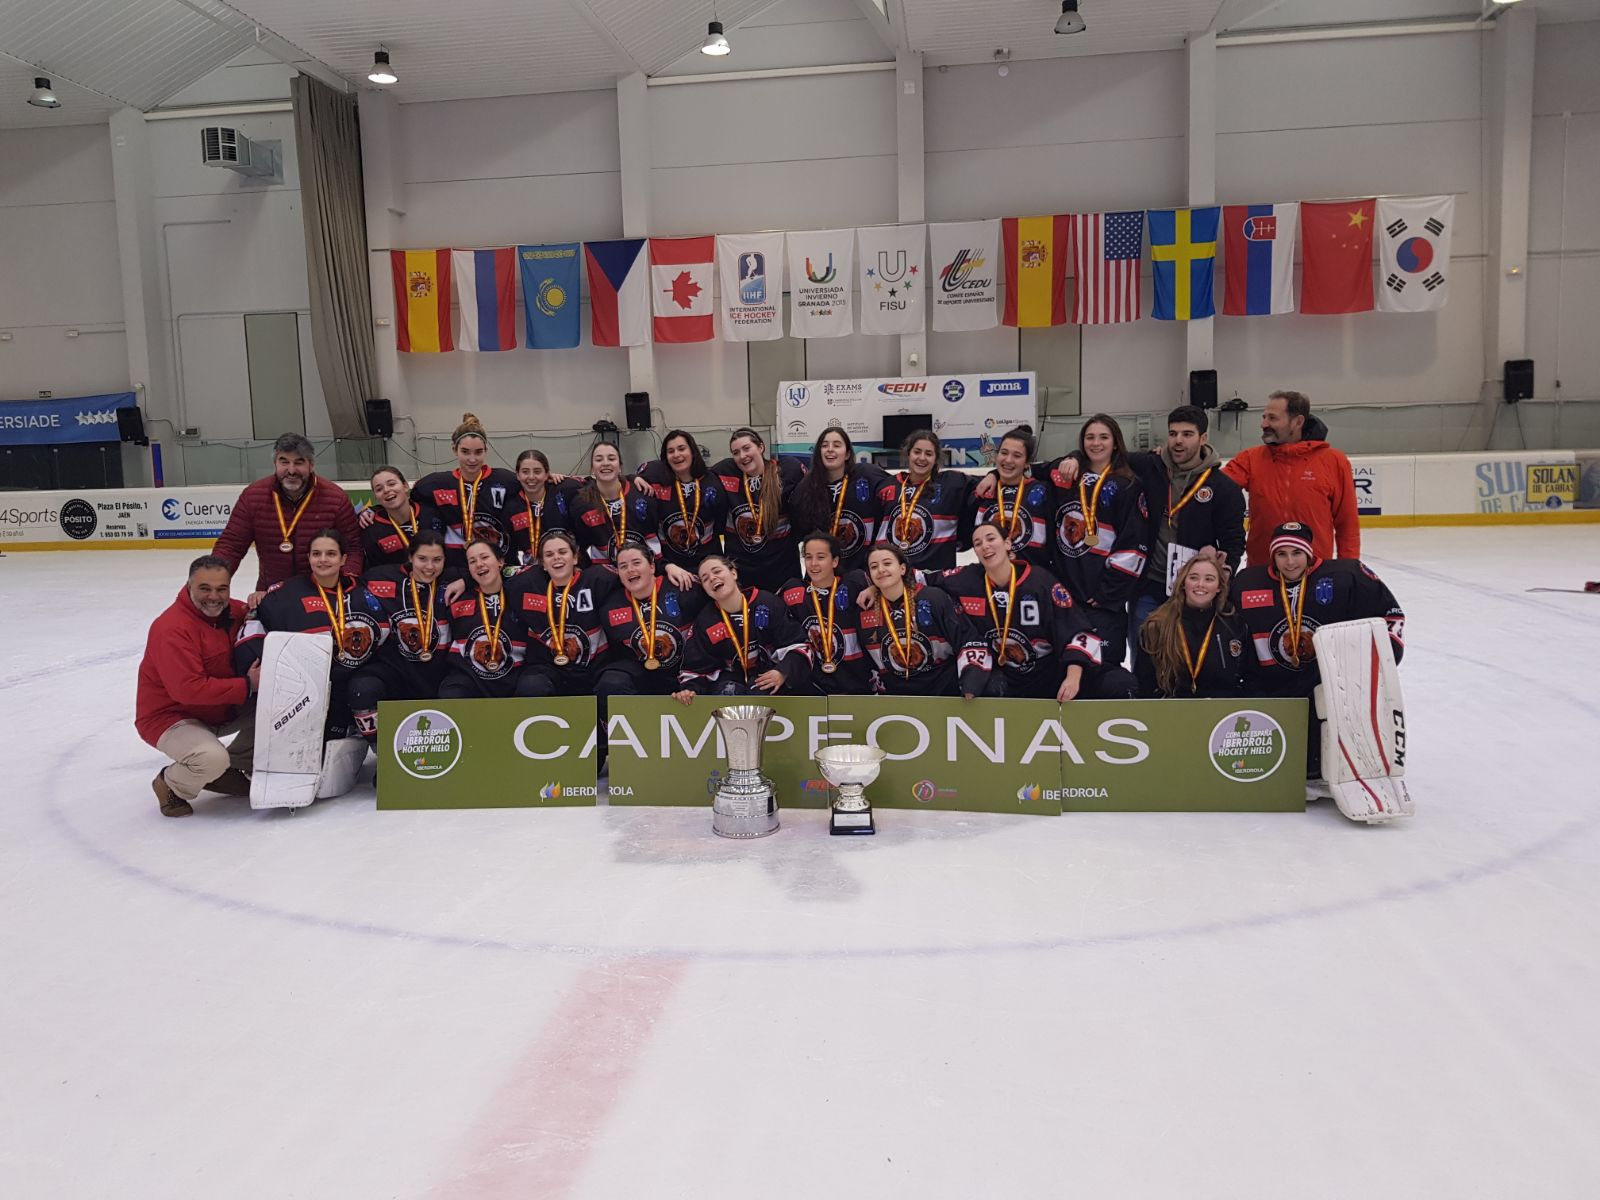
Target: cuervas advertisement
(970,413)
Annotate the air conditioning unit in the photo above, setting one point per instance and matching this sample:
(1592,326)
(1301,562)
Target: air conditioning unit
(222,146)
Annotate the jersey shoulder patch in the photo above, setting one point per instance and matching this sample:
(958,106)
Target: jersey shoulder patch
(973,606)
(387,588)
(1255,598)
(463,608)
(1060,596)
(794,596)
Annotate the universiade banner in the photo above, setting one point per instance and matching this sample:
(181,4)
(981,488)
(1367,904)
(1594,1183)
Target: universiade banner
(1006,756)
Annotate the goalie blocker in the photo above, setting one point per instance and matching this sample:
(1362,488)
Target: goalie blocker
(1364,730)
(293,766)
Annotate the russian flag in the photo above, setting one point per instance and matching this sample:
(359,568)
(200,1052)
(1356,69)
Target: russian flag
(1258,271)
(619,292)
(486,290)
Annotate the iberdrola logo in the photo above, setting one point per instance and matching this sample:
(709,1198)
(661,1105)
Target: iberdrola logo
(550,791)
(427,744)
(1247,746)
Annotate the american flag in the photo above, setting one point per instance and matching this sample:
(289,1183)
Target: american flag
(1106,248)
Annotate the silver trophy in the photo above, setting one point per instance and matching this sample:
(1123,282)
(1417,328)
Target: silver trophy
(850,769)
(745,804)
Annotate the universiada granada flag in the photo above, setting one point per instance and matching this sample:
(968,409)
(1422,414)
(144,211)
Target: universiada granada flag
(1036,270)
(1336,240)
(421,299)
(486,290)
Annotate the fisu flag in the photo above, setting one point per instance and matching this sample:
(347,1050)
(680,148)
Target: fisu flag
(821,279)
(1414,253)
(750,270)
(894,270)
(965,281)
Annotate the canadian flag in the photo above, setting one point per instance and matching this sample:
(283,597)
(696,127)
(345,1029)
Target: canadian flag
(681,271)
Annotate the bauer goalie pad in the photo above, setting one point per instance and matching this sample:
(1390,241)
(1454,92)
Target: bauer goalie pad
(291,709)
(1364,738)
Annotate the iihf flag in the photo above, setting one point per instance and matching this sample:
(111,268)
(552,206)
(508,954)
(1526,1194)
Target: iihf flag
(1414,253)
(485,286)
(1258,273)
(619,292)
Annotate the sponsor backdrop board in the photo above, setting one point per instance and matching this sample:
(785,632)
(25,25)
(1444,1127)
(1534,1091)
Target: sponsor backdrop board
(59,422)
(511,753)
(968,412)
(663,753)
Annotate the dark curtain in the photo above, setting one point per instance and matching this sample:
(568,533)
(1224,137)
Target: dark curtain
(327,141)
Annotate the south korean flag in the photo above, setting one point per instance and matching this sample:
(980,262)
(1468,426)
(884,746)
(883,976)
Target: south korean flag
(1414,253)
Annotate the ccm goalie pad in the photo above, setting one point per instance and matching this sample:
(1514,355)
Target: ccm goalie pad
(1364,738)
(291,766)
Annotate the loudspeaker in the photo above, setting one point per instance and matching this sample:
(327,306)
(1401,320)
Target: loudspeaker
(1203,389)
(637,407)
(130,425)
(1519,379)
(380,419)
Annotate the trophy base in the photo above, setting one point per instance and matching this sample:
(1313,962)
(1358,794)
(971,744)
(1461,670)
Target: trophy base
(848,822)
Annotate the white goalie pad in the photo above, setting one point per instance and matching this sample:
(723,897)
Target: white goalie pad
(341,761)
(1364,738)
(290,713)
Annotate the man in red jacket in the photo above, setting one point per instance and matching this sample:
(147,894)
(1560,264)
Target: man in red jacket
(1296,476)
(283,512)
(189,698)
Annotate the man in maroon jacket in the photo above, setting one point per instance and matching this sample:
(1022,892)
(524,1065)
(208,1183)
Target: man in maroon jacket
(283,512)
(189,698)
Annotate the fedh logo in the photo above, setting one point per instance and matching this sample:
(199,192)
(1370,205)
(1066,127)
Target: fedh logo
(427,744)
(1247,746)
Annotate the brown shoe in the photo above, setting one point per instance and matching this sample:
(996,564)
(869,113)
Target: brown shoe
(171,806)
(232,782)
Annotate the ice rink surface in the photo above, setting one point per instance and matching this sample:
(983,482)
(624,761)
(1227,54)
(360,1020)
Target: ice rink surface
(598,1003)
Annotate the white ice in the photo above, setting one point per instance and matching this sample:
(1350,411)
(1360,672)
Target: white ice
(597,1003)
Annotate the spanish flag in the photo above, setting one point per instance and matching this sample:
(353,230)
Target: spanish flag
(421,299)
(1036,270)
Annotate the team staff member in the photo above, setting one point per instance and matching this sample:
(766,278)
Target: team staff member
(1296,476)
(690,502)
(475,499)
(397,519)
(922,507)
(188,696)
(280,514)
(414,633)
(841,497)
(1016,501)
(744,643)
(757,535)
(1194,645)
(487,640)
(919,640)
(543,507)
(824,605)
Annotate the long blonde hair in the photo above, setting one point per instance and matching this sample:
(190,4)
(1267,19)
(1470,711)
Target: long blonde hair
(1162,636)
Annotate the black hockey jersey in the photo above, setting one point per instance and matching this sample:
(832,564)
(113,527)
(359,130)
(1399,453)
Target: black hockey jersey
(688,515)
(579,635)
(603,527)
(771,640)
(944,650)
(491,655)
(478,509)
(1219,653)
(416,621)
(529,521)
(657,628)
(1046,633)
(385,543)
(837,609)
(757,549)
(1026,520)
(924,519)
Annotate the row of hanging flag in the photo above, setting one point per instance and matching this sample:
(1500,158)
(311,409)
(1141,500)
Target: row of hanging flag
(681,289)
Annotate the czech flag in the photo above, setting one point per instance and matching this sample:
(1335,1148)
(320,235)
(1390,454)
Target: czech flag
(1036,270)
(1183,256)
(421,299)
(485,282)
(619,292)
(1258,273)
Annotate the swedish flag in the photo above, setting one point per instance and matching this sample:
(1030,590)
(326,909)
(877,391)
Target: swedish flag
(1183,253)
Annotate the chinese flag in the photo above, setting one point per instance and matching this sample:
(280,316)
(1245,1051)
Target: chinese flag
(1036,271)
(1336,240)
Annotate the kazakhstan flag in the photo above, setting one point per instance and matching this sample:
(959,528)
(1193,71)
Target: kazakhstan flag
(1183,253)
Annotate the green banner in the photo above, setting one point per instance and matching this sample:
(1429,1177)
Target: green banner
(512,753)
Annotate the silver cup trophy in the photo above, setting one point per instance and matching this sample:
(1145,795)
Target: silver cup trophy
(745,804)
(850,769)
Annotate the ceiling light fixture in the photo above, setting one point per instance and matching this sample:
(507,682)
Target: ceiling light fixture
(44,96)
(715,44)
(1069,21)
(381,71)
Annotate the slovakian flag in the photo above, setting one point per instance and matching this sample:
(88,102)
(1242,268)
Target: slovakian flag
(619,292)
(486,291)
(1258,271)
(1183,259)
(680,288)
(1414,253)
(550,294)
(1106,247)
(421,300)
(1036,270)
(1336,243)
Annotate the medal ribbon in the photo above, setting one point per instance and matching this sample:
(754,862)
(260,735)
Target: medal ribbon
(1010,523)
(1174,509)
(755,509)
(1090,503)
(535,525)
(416,607)
(888,620)
(300,511)
(1195,664)
(499,615)
(1295,617)
(468,503)
(618,537)
(655,608)
(335,607)
(825,624)
(838,507)
(691,522)
(744,650)
(558,632)
(416,515)
(907,509)
(1011,606)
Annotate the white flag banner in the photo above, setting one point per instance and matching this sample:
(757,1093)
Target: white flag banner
(750,267)
(894,276)
(821,276)
(1414,253)
(966,275)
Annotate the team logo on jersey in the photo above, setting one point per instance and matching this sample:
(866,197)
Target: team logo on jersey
(850,533)
(360,636)
(1017,653)
(574,644)
(1070,530)
(495,666)
(489,528)
(897,653)
(1235,647)
(678,533)
(668,645)
(1324,591)
(1297,656)
(1060,595)
(1204,495)
(912,531)
(745,526)
(408,629)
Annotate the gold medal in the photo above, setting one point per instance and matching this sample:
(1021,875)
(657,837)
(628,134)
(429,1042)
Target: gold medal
(652,664)
(1091,537)
(828,668)
(561,660)
(287,529)
(558,630)
(426,656)
(741,653)
(1090,503)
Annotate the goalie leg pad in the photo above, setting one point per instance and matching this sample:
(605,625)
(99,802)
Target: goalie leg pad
(291,709)
(341,762)
(1364,737)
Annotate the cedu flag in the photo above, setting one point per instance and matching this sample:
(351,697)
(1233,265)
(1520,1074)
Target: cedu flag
(1336,243)
(1183,258)
(486,289)
(1036,271)
(680,288)
(894,271)
(966,275)
(1414,253)
(421,300)
(1106,248)
(619,293)
(750,267)
(550,295)
(1258,272)
(821,276)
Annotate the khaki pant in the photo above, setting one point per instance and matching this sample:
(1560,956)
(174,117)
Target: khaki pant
(198,755)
